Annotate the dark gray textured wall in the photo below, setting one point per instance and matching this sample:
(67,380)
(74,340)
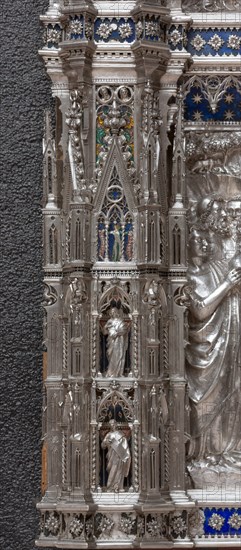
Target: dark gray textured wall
(25,92)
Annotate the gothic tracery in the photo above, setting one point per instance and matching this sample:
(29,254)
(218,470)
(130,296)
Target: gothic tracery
(142,204)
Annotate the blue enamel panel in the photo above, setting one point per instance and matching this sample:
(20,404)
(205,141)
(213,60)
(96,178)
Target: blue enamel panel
(225,43)
(197,108)
(115,29)
(227,520)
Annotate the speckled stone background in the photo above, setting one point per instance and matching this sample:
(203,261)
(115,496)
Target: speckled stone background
(25,91)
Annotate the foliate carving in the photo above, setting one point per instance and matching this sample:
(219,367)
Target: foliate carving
(196,519)
(125,30)
(75,28)
(211,5)
(129,526)
(76,526)
(104,30)
(150,153)
(74,121)
(216,152)
(115,118)
(156,526)
(54,34)
(178,524)
(52,524)
(128,523)
(151,118)
(50,295)
(89,529)
(152,28)
(105,525)
(139,29)
(89,29)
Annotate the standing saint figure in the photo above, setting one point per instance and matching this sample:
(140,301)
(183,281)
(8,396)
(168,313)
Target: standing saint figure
(116,250)
(117,343)
(118,457)
(213,360)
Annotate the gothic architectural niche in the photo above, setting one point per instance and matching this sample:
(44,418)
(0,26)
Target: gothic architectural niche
(142,261)
(115,224)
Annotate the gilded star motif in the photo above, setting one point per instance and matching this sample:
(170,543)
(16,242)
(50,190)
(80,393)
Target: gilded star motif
(229,98)
(197,115)
(228,115)
(197,98)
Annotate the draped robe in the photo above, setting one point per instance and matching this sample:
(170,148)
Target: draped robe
(118,459)
(213,362)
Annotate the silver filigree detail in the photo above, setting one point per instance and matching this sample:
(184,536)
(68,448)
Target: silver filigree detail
(235,521)
(76,527)
(106,525)
(234,42)
(73,121)
(216,42)
(216,522)
(53,35)
(140,526)
(88,29)
(105,30)
(52,524)
(198,42)
(196,523)
(152,28)
(127,523)
(178,524)
(75,27)
(89,528)
(139,29)
(50,295)
(211,5)
(175,37)
(125,30)
(153,527)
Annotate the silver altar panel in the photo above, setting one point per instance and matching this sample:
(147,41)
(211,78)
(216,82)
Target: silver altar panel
(142,259)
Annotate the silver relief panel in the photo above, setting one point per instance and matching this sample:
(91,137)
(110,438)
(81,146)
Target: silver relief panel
(213,302)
